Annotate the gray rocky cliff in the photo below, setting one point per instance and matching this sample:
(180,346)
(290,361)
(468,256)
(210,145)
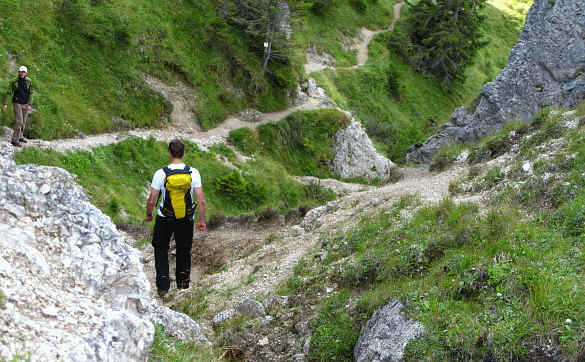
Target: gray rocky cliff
(545,68)
(71,287)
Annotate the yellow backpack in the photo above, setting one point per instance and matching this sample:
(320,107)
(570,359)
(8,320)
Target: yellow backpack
(178,202)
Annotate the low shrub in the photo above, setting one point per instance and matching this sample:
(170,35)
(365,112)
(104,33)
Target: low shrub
(359,5)
(245,140)
(320,7)
(242,191)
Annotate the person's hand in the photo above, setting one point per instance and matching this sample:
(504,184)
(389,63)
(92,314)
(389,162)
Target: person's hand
(29,107)
(201,225)
(5,107)
(148,218)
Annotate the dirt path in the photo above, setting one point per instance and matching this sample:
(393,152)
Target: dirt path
(177,129)
(364,39)
(279,249)
(183,100)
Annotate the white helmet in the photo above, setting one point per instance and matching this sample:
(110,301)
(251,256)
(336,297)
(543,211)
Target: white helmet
(23,69)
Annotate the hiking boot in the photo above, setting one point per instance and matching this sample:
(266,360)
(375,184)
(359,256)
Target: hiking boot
(16,144)
(182,285)
(162,292)
(23,140)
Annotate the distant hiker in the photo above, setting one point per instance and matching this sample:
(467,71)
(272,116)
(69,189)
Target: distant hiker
(21,92)
(176,183)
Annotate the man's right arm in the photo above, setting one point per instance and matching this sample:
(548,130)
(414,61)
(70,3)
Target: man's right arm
(6,95)
(155,189)
(150,204)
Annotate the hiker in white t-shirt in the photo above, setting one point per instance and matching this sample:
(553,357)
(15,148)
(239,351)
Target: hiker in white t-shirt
(177,184)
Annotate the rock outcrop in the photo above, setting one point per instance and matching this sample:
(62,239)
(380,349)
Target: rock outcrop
(71,287)
(356,156)
(385,336)
(545,68)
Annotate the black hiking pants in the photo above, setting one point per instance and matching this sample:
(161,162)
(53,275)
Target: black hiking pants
(164,228)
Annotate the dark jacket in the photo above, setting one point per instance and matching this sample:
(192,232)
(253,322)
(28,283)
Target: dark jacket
(13,88)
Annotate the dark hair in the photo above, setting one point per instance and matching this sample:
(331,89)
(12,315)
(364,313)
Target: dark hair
(177,148)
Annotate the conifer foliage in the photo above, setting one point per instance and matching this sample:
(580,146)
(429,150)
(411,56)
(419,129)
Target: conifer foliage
(266,21)
(441,37)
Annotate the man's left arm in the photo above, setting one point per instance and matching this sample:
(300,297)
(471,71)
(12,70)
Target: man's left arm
(150,204)
(201,226)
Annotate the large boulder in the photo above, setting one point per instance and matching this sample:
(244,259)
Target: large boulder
(545,68)
(385,336)
(356,156)
(71,287)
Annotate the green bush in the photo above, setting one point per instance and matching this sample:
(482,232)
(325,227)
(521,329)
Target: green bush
(571,217)
(319,7)
(245,140)
(302,142)
(393,83)
(359,5)
(314,191)
(243,192)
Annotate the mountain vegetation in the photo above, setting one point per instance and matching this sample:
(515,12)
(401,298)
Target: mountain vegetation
(117,179)
(494,270)
(441,37)
(89,58)
(401,105)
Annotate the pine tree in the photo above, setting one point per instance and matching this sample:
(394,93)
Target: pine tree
(444,36)
(265,21)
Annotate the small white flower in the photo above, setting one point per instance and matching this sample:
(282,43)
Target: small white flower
(568,321)
(499,295)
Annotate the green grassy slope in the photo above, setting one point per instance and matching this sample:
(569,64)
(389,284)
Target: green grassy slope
(88,57)
(117,179)
(338,25)
(399,105)
(302,143)
(503,282)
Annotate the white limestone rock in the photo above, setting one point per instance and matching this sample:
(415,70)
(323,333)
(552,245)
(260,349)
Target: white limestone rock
(356,156)
(386,334)
(73,289)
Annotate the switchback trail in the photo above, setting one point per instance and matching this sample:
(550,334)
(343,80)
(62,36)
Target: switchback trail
(365,37)
(217,135)
(184,123)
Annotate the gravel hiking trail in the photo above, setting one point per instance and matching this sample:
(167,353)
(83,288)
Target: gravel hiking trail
(176,129)
(258,259)
(363,41)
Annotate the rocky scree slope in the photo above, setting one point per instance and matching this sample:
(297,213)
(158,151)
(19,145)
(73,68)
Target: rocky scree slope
(71,288)
(545,68)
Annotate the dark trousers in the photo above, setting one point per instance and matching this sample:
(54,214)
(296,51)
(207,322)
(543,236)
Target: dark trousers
(164,228)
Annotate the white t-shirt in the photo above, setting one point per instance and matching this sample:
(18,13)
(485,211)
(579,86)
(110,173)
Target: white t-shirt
(158,182)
